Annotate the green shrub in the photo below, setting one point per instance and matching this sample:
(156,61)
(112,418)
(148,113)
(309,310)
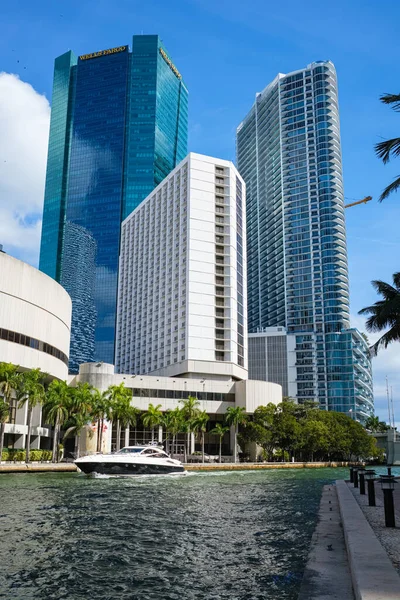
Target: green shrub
(47,454)
(16,455)
(36,455)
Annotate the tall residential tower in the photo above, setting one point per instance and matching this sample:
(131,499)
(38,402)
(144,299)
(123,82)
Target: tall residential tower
(289,154)
(118,127)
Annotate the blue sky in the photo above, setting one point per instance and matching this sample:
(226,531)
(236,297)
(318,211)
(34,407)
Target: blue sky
(226,52)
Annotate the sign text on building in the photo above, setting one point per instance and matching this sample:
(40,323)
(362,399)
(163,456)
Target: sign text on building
(103,52)
(170,63)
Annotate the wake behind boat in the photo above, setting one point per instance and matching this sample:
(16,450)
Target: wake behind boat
(131,460)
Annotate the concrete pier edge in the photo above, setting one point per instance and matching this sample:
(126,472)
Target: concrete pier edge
(327,573)
(11,467)
(373,574)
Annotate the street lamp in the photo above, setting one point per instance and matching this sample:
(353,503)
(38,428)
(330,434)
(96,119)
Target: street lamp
(369,476)
(361,474)
(387,485)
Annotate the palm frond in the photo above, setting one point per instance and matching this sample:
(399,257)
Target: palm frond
(385,149)
(384,289)
(393,335)
(393,187)
(396,280)
(391,99)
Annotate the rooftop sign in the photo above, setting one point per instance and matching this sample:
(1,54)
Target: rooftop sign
(170,63)
(104,52)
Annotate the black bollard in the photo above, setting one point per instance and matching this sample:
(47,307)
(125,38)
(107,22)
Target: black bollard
(371,492)
(369,478)
(388,503)
(389,471)
(362,482)
(356,478)
(351,474)
(387,483)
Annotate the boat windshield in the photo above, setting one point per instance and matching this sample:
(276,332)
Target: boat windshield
(130,450)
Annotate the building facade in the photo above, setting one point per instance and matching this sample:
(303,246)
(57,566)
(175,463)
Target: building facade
(214,395)
(182,282)
(289,154)
(272,357)
(35,321)
(118,127)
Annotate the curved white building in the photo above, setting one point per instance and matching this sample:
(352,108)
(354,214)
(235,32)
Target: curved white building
(35,319)
(35,322)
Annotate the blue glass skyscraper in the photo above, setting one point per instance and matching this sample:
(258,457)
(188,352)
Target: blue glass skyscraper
(289,154)
(118,126)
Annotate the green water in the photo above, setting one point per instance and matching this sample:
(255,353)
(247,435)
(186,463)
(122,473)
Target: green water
(241,535)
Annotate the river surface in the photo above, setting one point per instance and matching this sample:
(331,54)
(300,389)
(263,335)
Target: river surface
(236,536)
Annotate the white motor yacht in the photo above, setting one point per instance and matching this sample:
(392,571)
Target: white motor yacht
(131,460)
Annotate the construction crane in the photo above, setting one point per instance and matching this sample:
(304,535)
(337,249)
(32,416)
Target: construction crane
(363,201)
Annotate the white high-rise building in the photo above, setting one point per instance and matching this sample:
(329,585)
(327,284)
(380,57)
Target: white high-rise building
(182,305)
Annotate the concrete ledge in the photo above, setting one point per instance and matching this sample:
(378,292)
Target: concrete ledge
(38,468)
(327,573)
(260,466)
(372,573)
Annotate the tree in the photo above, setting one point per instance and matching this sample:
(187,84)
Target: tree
(199,423)
(56,409)
(385,313)
(313,437)
(79,412)
(235,416)
(172,421)
(4,416)
(190,410)
(101,411)
(389,148)
(31,390)
(120,399)
(286,427)
(152,418)
(220,431)
(9,383)
(372,424)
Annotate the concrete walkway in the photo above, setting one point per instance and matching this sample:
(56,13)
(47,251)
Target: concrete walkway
(327,575)
(372,572)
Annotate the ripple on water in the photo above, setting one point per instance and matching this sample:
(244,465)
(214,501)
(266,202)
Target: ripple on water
(236,536)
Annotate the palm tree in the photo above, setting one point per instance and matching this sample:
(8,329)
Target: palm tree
(385,313)
(4,416)
(119,397)
(372,423)
(220,430)
(172,421)
(56,409)
(152,418)
(80,409)
(101,411)
(199,423)
(32,391)
(389,148)
(190,410)
(9,383)
(235,416)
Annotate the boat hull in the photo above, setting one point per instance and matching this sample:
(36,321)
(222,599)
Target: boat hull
(118,468)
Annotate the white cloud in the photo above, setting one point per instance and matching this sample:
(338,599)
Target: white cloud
(24,131)
(385,364)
